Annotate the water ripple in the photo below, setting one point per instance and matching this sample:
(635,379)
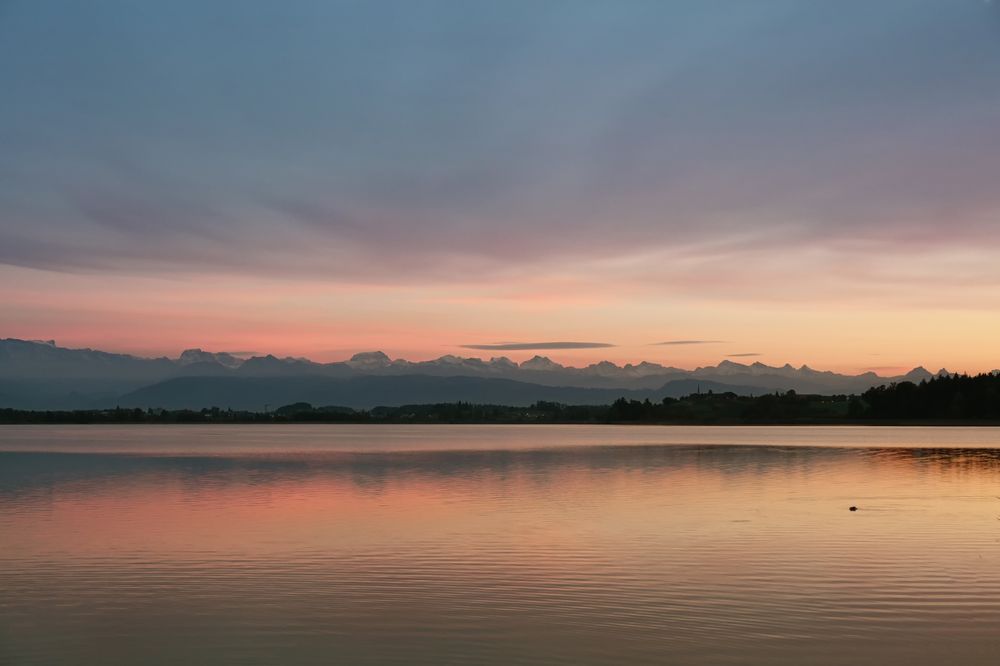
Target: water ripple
(610,554)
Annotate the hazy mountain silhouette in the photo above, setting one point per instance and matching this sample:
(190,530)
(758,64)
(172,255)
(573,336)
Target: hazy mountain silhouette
(42,375)
(255,393)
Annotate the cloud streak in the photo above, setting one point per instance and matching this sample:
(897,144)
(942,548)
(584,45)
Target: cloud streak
(340,188)
(349,173)
(744,355)
(531,346)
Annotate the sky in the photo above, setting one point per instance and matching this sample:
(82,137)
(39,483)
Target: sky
(802,181)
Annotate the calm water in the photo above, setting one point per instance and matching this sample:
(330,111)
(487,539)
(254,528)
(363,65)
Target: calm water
(502,545)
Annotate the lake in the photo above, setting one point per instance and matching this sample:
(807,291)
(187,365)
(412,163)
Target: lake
(376,544)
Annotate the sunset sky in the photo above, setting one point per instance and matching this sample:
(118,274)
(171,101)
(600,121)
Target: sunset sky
(781,180)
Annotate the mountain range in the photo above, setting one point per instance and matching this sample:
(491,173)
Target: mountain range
(42,375)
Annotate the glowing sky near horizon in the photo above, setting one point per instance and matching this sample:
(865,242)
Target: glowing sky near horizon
(802,181)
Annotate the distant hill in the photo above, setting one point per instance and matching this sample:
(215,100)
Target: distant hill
(42,375)
(254,393)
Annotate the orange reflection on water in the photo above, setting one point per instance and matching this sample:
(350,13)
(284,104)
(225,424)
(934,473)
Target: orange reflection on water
(635,553)
(264,506)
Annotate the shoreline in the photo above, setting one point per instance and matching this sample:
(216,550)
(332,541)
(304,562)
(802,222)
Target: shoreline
(686,424)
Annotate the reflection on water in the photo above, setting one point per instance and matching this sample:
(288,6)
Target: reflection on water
(605,554)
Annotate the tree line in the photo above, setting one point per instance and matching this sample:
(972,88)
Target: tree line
(954,398)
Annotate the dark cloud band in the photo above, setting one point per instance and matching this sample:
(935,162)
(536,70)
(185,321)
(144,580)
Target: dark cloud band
(527,346)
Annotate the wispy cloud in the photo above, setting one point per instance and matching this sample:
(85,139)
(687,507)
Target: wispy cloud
(745,355)
(670,343)
(888,369)
(107,196)
(526,346)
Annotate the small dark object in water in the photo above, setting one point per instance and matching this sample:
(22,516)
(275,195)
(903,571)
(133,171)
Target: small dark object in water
(854,508)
